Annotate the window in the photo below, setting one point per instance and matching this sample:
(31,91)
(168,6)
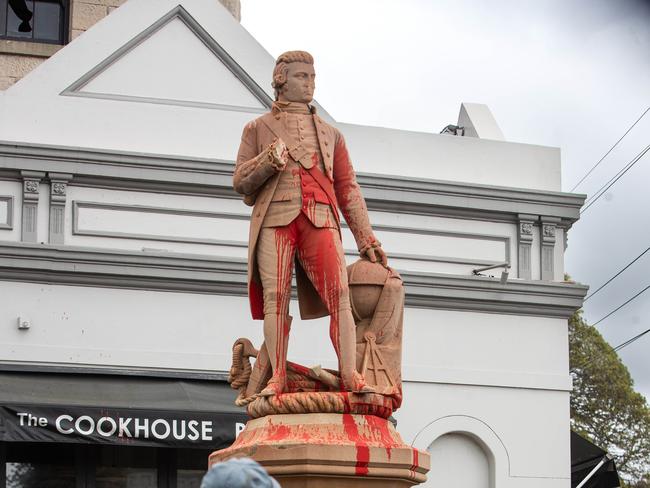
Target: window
(34,20)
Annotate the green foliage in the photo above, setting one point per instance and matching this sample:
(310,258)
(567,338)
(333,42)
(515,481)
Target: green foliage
(604,406)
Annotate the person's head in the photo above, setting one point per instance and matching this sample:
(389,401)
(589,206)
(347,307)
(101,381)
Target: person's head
(293,77)
(238,473)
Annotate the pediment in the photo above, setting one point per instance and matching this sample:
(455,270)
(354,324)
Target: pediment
(176,62)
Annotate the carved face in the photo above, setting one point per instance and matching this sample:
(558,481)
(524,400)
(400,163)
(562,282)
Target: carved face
(300,84)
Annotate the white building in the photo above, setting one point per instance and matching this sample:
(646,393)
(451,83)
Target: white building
(123,272)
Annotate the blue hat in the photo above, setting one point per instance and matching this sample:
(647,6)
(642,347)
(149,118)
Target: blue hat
(238,473)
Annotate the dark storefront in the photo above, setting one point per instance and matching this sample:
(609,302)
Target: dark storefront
(106,431)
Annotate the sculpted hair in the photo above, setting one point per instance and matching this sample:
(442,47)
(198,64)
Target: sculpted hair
(282,67)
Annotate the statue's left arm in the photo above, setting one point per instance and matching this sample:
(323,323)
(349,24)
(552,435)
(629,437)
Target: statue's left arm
(353,205)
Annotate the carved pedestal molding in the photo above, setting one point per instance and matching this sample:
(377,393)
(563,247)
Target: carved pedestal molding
(548,228)
(58,190)
(31,186)
(323,450)
(524,243)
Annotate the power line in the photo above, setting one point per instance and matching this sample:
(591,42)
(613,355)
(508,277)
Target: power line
(631,340)
(621,306)
(615,349)
(610,150)
(596,195)
(611,182)
(613,277)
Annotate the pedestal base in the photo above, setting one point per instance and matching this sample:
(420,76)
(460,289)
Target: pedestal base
(324,450)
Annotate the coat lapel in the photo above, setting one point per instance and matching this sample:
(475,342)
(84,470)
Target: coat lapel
(275,124)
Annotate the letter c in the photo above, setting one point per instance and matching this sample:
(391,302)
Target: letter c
(61,418)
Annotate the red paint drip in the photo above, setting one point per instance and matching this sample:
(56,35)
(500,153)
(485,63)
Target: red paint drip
(416,461)
(256,298)
(379,428)
(363,451)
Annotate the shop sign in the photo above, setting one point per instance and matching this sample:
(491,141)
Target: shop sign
(40,423)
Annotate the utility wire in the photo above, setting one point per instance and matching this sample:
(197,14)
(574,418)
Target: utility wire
(617,348)
(631,340)
(613,277)
(614,179)
(610,150)
(621,306)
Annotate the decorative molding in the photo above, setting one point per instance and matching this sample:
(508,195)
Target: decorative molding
(9,223)
(505,240)
(205,274)
(78,230)
(547,247)
(58,190)
(77,368)
(486,202)
(524,245)
(180,13)
(192,176)
(31,187)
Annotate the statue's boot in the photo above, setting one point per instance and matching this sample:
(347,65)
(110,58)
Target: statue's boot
(276,337)
(343,335)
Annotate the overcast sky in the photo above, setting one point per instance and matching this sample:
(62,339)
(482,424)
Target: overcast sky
(566,73)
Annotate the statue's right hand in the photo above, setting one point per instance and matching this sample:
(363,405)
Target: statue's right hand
(278,154)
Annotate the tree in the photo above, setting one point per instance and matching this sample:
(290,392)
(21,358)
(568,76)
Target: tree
(604,406)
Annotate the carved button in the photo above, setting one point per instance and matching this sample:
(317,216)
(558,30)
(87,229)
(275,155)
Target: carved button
(328,155)
(322,132)
(326,143)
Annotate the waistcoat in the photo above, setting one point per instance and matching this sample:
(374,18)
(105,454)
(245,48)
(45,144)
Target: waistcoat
(297,191)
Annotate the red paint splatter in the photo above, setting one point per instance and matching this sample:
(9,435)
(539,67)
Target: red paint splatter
(379,428)
(277,432)
(363,451)
(256,298)
(416,461)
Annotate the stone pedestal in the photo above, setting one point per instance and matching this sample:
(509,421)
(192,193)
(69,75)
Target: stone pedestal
(317,450)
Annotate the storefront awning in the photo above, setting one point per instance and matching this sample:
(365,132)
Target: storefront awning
(590,465)
(133,410)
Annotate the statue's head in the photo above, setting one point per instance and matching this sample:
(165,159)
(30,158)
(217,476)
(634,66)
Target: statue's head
(293,77)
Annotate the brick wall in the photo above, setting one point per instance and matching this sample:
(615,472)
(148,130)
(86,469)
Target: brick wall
(17,58)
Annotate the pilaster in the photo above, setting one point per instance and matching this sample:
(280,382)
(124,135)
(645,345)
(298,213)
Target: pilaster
(524,245)
(58,190)
(31,191)
(547,247)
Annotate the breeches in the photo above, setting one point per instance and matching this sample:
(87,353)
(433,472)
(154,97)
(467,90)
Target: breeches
(320,254)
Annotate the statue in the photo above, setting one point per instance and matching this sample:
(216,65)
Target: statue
(312,426)
(295,169)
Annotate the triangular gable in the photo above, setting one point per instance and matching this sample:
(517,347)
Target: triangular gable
(209,78)
(90,94)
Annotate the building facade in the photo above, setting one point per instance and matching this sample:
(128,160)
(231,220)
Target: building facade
(29,37)
(123,264)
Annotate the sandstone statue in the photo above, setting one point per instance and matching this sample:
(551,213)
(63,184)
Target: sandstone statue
(312,426)
(295,169)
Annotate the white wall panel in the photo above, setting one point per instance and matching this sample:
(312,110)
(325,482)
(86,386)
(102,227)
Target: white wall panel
(440,245)
(10,211)
(527,431)
(483,348)
(134,220)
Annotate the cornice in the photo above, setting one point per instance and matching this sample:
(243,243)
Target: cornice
(211,275)
(181,175)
